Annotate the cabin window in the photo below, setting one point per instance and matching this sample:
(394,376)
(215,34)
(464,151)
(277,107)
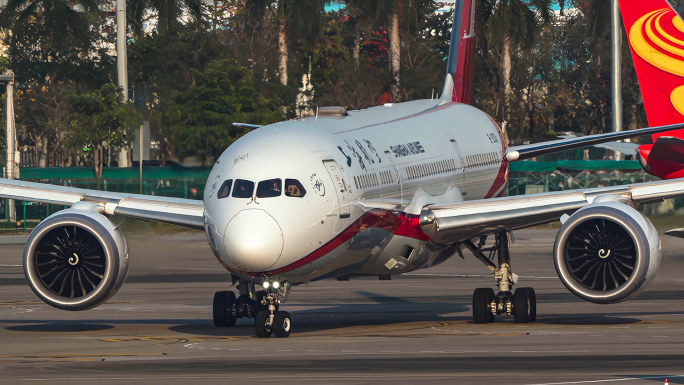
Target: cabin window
(294,189)
(243,189)
(224,191)
(269,188)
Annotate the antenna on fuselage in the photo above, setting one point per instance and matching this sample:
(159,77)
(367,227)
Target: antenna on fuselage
(316,114)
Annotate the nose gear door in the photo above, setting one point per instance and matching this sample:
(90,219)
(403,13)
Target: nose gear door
(341,187)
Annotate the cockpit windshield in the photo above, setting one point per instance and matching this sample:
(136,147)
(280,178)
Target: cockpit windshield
(269,188)
(294,189)
(243,188)
(224,191)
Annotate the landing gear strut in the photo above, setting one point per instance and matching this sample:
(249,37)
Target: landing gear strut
(522,304)
(261,305)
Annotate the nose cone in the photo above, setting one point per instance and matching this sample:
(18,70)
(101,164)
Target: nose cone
(253,241)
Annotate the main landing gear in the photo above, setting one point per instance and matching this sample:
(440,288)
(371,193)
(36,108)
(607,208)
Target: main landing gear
(261,305)
(487,304)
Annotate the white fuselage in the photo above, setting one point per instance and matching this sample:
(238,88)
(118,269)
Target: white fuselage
(348,190)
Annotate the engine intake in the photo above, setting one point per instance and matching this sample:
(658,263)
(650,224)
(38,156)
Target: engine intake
(75,259)
(607,252)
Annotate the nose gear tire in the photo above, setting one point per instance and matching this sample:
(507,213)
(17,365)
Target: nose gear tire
(482,312)
(223,305)
(524,305)
(261,326)
(282,324)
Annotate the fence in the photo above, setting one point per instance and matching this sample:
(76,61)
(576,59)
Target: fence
(178,182)
(525,177)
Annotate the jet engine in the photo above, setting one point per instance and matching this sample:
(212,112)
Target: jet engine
(607,252)
(75,259)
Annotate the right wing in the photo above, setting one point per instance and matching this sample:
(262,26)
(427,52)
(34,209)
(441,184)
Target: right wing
(516,153)
(626,148)
(181,212)
(450,223)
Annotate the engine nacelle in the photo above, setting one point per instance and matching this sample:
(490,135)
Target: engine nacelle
(607,252)
(75,259)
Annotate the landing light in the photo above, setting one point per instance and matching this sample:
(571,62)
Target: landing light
(276,284)
(265,285)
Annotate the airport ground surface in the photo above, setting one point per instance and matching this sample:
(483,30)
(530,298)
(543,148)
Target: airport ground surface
(415,328)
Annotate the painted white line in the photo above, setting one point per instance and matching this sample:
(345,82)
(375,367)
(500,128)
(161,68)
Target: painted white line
(611,380)
(470,276)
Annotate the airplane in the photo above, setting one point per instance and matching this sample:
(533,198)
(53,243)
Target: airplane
(655,33)
(375,192)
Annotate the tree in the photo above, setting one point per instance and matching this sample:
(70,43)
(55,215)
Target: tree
(170,14)
(55,40)
(513,25)
(400,19)
(200,118)
(100,119)
(295,20)
(374,14)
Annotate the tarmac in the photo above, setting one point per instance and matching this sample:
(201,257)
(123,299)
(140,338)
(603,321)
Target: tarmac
(415,328)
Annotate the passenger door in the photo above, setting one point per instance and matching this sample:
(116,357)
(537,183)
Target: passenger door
(396,176)
(341,188)
(461,174)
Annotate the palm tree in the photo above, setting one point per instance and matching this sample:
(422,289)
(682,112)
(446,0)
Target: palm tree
(48,30)
(296,20)
(514,25)
(169,13)
(372,14)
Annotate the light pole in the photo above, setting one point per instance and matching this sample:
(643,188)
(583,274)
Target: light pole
(122,64)
(616,70)
(11,166)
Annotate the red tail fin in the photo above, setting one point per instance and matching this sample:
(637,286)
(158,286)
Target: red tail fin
(656,38)
(459,85)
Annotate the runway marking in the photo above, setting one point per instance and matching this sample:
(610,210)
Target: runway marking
(176,339)
(469,276)
(80,356)
(610,380)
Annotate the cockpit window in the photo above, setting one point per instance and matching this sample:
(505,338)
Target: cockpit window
(224,191)
(294,189)
(243,189)
(269,188)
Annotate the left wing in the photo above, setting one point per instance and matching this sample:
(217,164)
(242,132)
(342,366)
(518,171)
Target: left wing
(247,126)
(516,153)
(181,212)
(450,223)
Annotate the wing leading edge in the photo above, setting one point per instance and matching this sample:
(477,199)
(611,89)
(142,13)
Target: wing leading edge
(516,153)
(180,212)
(456,222)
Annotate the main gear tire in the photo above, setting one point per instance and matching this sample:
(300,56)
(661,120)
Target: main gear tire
(223,309)
(524,305)
(482,309)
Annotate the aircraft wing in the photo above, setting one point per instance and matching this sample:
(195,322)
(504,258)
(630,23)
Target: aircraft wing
(516,153)
(626,148)
(449,223)
(181,212)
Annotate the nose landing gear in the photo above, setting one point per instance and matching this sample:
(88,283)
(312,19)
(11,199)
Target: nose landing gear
(261,305)
(269,320)
(522,304)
